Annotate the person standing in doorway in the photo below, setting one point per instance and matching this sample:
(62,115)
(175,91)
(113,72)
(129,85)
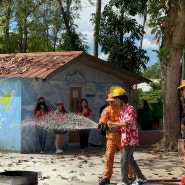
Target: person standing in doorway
(85,111)
(59,134)
(40,111)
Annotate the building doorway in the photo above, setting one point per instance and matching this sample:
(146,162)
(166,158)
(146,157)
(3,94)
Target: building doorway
(75,98)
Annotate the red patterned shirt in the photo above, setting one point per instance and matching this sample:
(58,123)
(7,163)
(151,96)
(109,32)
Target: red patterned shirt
(129,134)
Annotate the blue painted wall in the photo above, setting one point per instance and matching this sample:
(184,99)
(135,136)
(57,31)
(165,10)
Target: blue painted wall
(25,93)
(10,114)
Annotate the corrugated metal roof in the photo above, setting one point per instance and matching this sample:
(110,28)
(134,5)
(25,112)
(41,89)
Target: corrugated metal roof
(34,65)
(44,65)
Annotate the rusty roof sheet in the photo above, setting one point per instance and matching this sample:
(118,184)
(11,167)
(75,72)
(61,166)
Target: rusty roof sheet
(34,65)
(44,65)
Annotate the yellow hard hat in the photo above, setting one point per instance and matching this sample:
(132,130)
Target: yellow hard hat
(118,92)
(113,87)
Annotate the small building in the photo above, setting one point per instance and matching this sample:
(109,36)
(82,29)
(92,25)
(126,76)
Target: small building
(68,76)
(145,87)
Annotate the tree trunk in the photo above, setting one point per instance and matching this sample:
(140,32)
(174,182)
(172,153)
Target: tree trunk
(144,22)
(171,112)
(97,27)
(67,24)
(7,28)
(170,68)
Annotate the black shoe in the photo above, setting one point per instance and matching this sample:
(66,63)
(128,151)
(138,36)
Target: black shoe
(104,181)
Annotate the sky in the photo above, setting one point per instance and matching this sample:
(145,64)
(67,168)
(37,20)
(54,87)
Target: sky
(85,27)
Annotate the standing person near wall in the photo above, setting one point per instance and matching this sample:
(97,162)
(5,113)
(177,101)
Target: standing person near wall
(182,126)
(129,137)
(103,128)
(40,111)
(113,135)
(59,134)
(85,111)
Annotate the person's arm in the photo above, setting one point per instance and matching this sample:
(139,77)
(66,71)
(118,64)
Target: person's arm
(120,124)
(48,109)
(81,112)
(91,115)
(104,116)
(126,117)
(84,112)
(88,113)
(36,113)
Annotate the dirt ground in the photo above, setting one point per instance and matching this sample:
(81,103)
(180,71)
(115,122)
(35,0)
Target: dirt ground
(73,168)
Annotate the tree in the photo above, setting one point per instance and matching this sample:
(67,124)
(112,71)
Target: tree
(153,72)
(46,26)
(5,18)
(72,40)
(119,32)
(23,10)
(40,25)
(167,20)
(154,94)
(97,27)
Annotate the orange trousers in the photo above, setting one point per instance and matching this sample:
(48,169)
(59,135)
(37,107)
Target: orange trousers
(113,143)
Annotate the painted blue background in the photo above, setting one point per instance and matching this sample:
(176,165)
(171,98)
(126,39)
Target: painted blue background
(26,92)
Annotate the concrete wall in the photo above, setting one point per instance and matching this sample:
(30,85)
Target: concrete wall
(18,97)
(58,88)
(150,137)
(10,114)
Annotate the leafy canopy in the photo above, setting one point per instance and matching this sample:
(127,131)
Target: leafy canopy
(119,32)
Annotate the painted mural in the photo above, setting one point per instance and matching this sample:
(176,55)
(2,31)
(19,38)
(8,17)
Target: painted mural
(5,100)
(10,117)
(18,98)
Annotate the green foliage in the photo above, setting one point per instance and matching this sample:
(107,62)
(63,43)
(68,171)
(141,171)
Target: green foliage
(73,39)
(164,53)
(162,22)
(13,44)
(119,32)
(79,42)
(156,10)
(154,94)
(128,56)
(33,26)
(153,72)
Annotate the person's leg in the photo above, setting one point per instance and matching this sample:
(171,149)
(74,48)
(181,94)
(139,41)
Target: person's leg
(131,174)
(135,166)
(86,138)
(39,131)
(57,141)
(81,136)
(125,158)
(109,155)
(60,140)
(43,138)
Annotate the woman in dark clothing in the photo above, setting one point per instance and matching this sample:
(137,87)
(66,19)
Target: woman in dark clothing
(40,111)
(85,111)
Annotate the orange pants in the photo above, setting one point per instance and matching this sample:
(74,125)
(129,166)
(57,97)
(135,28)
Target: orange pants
(131,173)
(113,143)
